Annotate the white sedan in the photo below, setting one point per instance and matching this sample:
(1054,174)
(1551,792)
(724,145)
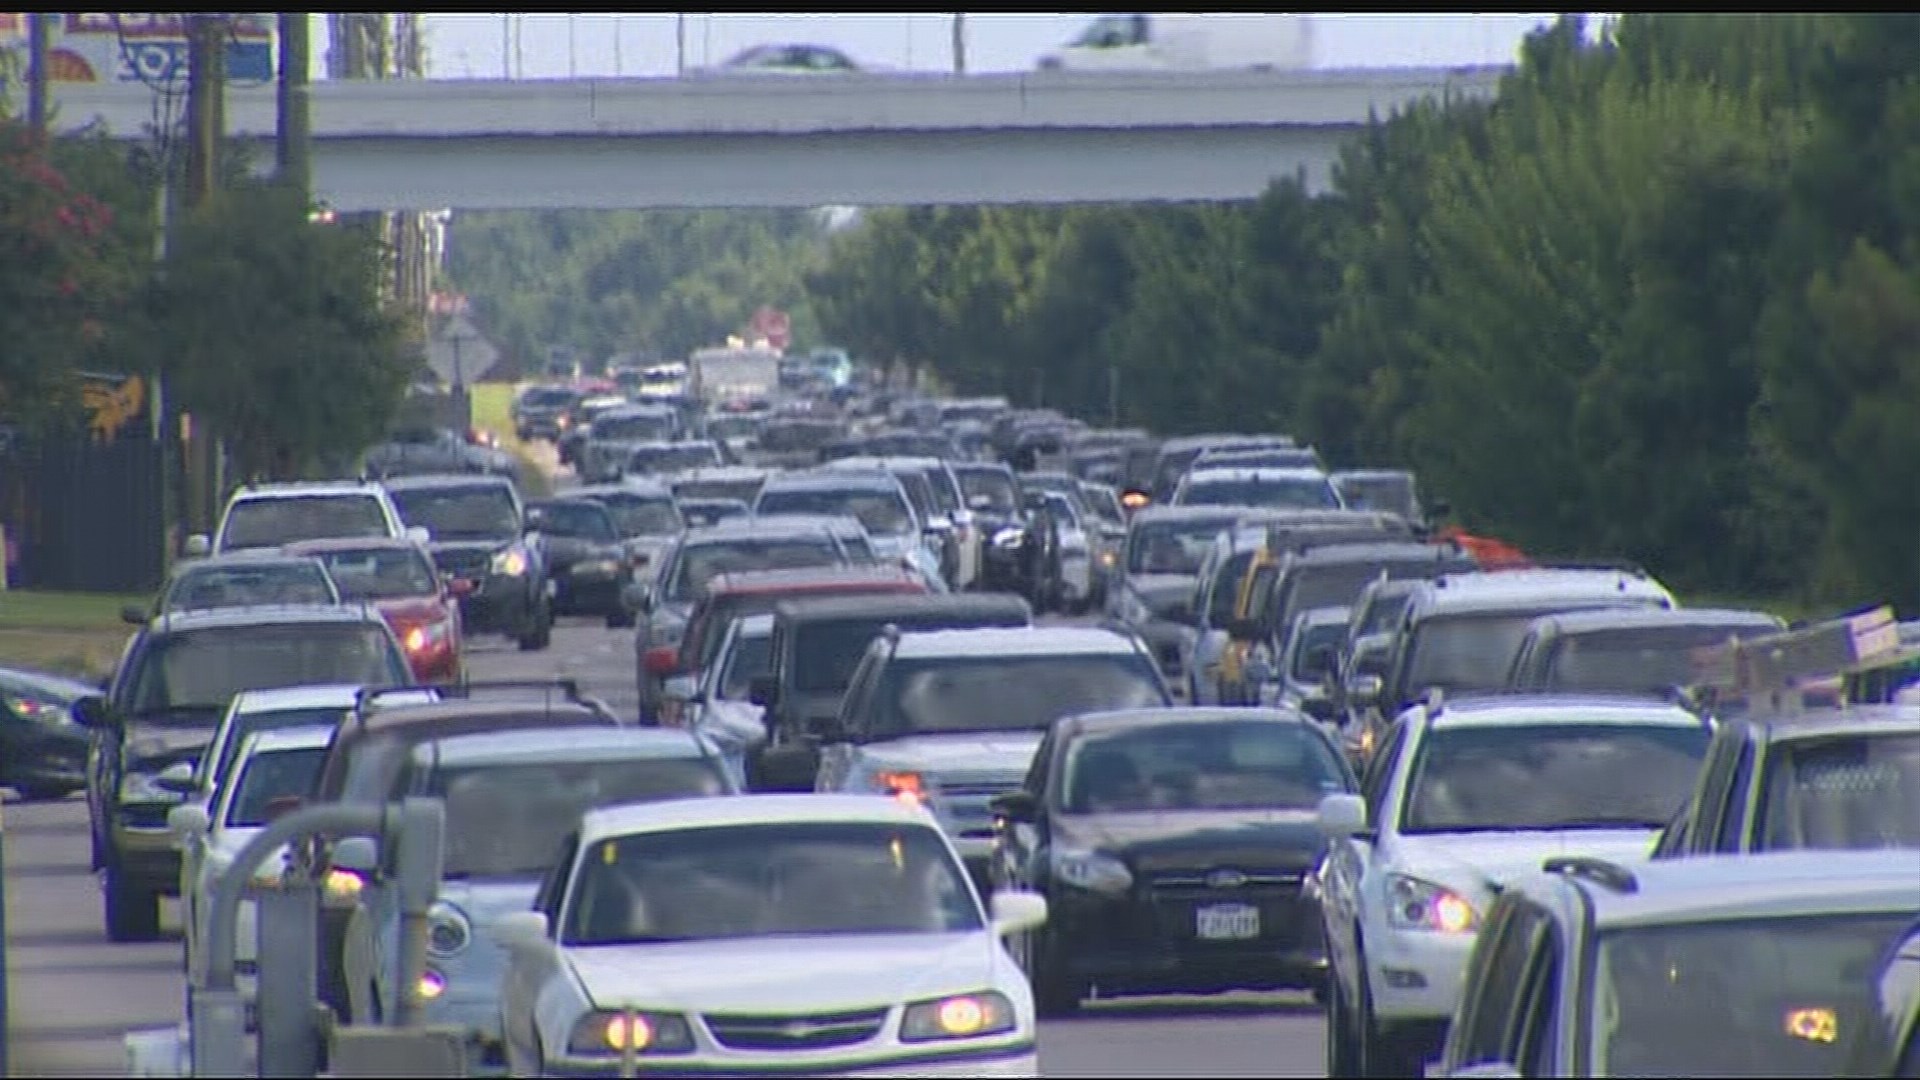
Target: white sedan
(804,935)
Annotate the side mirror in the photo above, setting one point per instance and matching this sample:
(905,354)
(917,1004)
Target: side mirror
(93,712)
(662,661)
(188,820)
(419,535)
(357,853)
(1017,805)
(198,546)
(520,929)
(763,690)
(1366,690)
(177,778)
(459,586)
(680,688)
(1017,912)
(981,503)
(281,805)
(1342,815)
(1487,1070)
(1437,509)
(133,616)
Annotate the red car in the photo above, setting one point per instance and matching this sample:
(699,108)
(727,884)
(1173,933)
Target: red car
(400,578)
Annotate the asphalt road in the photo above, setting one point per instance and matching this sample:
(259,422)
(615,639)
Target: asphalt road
(74,996)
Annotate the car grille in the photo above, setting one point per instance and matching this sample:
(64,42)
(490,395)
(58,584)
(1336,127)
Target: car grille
(1231,880)
(977,790)
(817,1031)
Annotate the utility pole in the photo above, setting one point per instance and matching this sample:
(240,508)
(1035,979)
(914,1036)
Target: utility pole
(959,43)
(680,44)
(295,100)
(38,40)
(206,81)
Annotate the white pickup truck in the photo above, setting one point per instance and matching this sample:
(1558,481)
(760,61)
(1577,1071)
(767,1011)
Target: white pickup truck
(1187,42)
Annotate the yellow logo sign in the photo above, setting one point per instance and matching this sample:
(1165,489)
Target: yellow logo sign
(111,406)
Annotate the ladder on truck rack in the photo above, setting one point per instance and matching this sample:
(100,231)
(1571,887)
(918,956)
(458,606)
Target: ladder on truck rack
(1769,675)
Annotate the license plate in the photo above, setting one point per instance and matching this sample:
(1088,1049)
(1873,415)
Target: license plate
(1227,922)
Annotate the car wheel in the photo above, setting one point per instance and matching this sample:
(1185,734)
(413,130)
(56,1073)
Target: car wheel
(541,634)
(1343,1050)
(132,912)
(1381,1052)
(623,620)
(1055,994)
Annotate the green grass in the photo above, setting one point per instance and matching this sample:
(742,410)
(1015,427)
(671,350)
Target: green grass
(77,634)
(492,407)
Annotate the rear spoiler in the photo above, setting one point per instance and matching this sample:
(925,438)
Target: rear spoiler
(1770,673)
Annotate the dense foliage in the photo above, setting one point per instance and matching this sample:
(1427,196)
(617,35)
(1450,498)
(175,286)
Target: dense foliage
(607,282)
(1660,297)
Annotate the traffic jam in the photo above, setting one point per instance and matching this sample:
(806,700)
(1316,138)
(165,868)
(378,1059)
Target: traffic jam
(954,718)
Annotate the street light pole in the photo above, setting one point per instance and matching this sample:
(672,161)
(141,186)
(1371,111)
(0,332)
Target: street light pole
(959,43)
(680,43)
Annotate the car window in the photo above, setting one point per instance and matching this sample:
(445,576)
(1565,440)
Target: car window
(215,766)
(752,656)
(219,585)
(1510,777)
(1648,659)
(1007,693)
(469,512)
(1467,652)
(741,490)
(641,515)
(382,573)
(1784,996)
(1282,493)
(742,881)
(271,775)
(883,513)
(1498,972)
(649,460)
(700,563)
(1171,547)
(641,428)
(204,668)
(1231,765)
(1857,790)
(992,486)
(277,521)
(579,520)
(1313,651)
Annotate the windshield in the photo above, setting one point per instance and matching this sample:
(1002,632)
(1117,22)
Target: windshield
(581,520)
(1852,791)
(752,656)
(273,774)
(213,768)
(1228,765)
(1461,653)
(1171,547)
(639,515)
(549,397)
(1782,996)
(1639,660)
(632,428)
(1303,493)
(826,653)
(745,489)
(205,668)
(882,513)
(732,427)
(1008,693)
(461,513)
(1383,612)
(507,821)
(1394,494)
(277,521)
(796,438)
(382,573)
(1314,647)
(666,459)
(698,563)
(1512,777)
(798,878)
(220,586)
(990,485)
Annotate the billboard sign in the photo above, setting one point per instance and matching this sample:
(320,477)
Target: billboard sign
(150,47)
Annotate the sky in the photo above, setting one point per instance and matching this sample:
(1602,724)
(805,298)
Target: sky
(608,45)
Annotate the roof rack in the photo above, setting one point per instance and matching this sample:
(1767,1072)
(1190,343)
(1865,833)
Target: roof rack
(1619,566)
(1767,672)
(1601,872)
(567,688)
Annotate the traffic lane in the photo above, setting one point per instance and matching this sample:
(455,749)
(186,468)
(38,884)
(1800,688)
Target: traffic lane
(72,995)
(599,659)
(1218,1036)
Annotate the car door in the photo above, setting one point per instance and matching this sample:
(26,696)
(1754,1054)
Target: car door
(838,758)
(1705,808)
(1347,859)
(529,969)
(1017,844)
(1502,972)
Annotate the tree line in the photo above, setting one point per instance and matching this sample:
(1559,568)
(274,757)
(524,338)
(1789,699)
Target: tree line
(270,329)
(1659,296)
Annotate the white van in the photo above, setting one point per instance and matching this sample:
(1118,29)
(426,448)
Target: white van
(1187,42)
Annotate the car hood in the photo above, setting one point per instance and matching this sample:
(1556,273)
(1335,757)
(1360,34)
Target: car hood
(566,550)
(152,747)
(1254,837)
(1486,861)
(407,610)
(985,754)
(785,975)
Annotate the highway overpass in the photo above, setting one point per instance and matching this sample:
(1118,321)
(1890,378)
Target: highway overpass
(868,140)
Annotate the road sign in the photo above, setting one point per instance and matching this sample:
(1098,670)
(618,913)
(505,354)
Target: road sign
(459,353)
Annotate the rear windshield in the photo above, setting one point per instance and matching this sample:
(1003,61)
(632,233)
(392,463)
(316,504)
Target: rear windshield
(281,520)
(1228,765)
(666,459)
(826,653)
(882,513)
(700,563)
(745,489)
(382,573)
(1289,493)
(1340,584)
(992,488)
(1853,791)
(1008,693)
(641,515)
(1468,652)
(268,776)
(204,668)
(1171,547)
(221,586)
(470,512)
(632,428)
(1642,659)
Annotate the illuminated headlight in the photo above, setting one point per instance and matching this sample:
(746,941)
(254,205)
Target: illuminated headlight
(449,931)
(1008,538)
(1108,558)
(431,985)
(964,1016)
(1413,904)
(342,884)
(44,712)
(1091,870)
(509,563)
(610,1034)
(425,636)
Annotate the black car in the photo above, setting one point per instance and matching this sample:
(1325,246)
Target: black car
(1174,847)
(43,752)
(480,534)
(162,706)
(586,556)
(542,412)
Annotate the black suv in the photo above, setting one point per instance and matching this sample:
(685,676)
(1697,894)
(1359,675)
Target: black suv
(161,708)
(480,534)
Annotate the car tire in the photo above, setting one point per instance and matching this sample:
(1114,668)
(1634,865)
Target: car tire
(1343,1049)
(540,635)
(1056,995)
(132,911)
(623,620)
(1381,1052)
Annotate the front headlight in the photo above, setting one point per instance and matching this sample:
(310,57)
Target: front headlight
(610,1034)
(449,931)
(342,885)
(1091,870)
(41,712)
(964,1016)
(1413,904)
(609,567)
(509,563)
